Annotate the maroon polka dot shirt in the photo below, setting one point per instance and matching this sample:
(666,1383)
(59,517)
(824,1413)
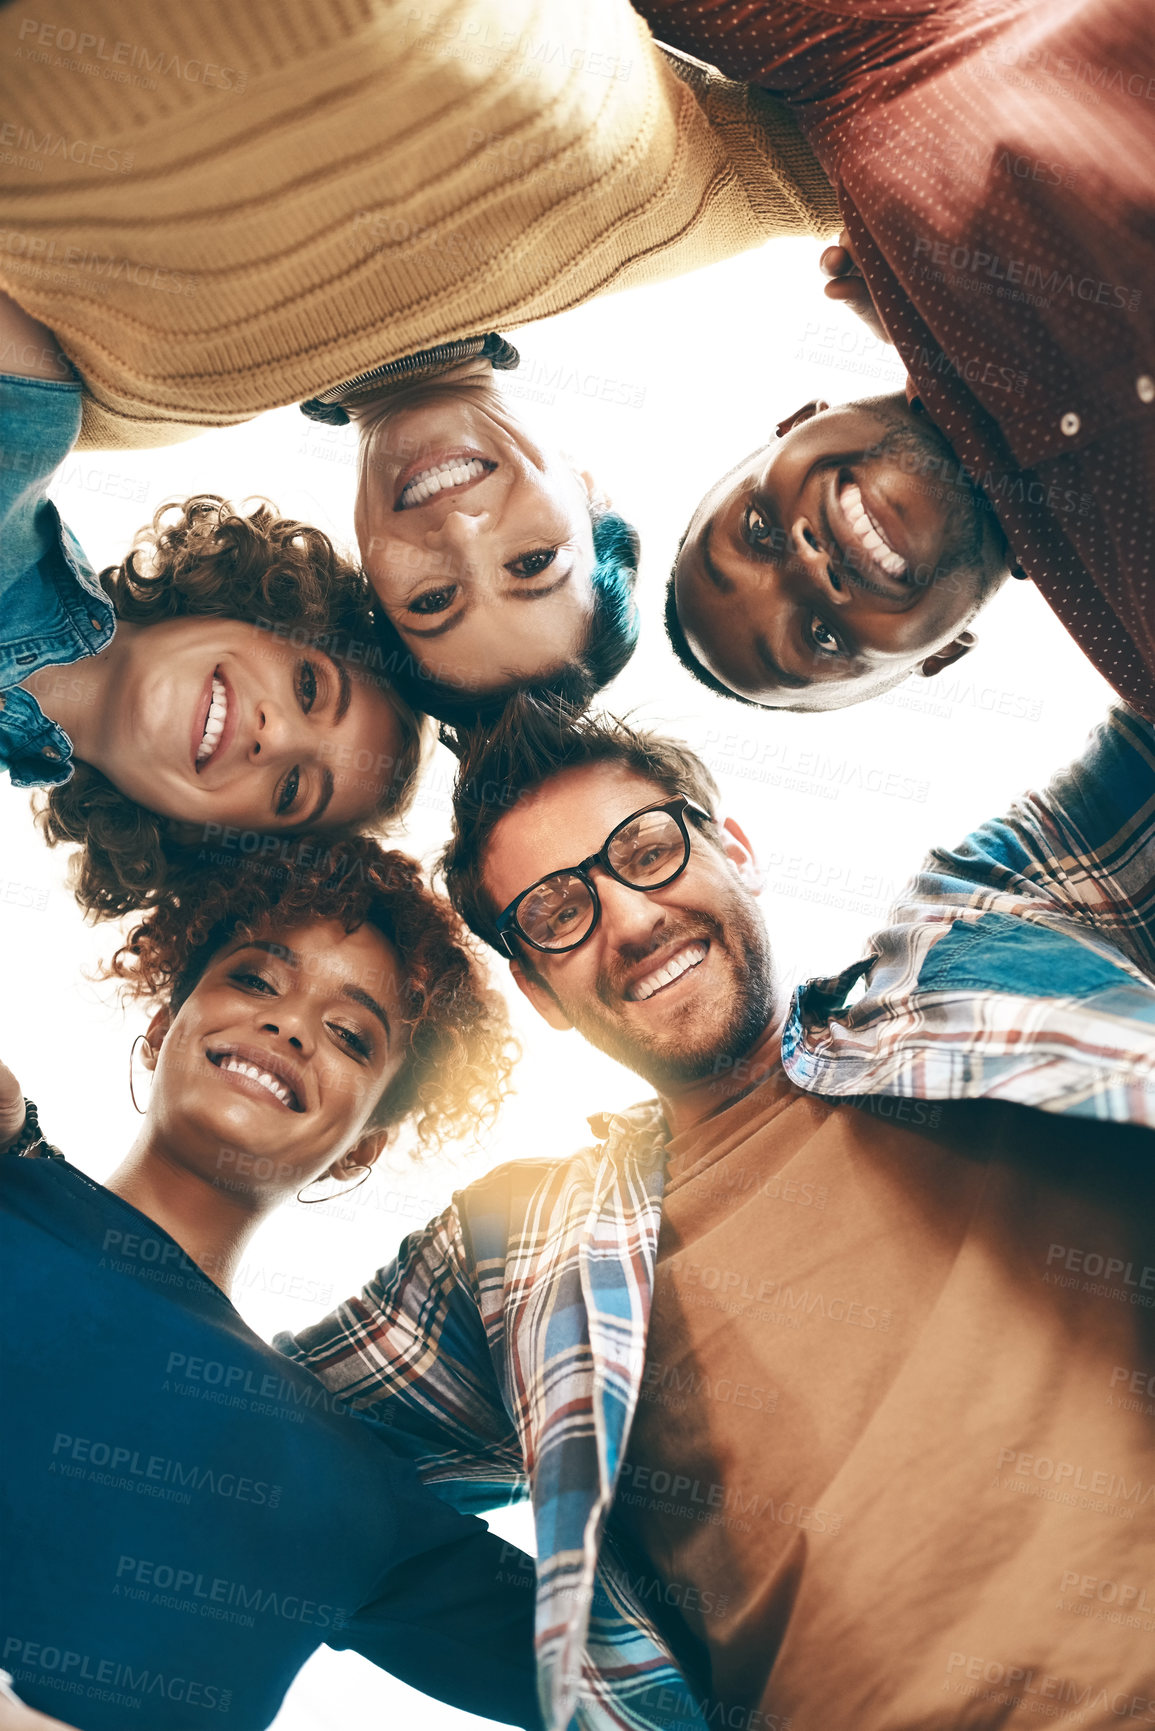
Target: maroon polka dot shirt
(995,166)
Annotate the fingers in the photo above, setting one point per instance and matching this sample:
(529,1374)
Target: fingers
(836,262)
(10,1090)
(11,1107)
(852,290)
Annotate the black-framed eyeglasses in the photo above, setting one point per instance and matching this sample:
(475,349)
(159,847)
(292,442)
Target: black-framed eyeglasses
(646,851)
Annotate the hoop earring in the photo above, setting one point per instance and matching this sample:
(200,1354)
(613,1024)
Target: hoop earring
(131,1060)
(311,1201)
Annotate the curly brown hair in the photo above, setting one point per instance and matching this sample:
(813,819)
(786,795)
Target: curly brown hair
(203,557)
(461,1052)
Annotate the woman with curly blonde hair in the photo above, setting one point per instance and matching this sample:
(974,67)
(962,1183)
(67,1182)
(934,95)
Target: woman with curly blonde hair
(226,1514)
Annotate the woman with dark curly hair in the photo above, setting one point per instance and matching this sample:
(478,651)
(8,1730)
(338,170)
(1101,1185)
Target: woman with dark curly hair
(450,1050)
(225,674)
(226,1515)
(242,691)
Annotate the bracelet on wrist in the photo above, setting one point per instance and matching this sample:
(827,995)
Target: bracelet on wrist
(31,1136)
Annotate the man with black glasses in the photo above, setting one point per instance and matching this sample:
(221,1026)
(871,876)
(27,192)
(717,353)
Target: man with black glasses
(842,1405)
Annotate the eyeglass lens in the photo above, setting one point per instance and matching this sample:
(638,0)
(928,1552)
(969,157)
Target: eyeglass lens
(646,852)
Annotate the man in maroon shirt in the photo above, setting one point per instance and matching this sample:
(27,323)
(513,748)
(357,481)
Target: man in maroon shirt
(995,165)
(851,552)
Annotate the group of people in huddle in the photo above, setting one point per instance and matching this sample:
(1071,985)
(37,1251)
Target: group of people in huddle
(829,1370)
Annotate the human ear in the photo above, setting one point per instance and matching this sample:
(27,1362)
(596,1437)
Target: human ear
(363,1154)
(805,413)
(947,656)
(738,850)
(154,1039)
(541,997)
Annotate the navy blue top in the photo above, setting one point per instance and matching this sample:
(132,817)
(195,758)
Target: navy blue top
(187,1515)
(52,608)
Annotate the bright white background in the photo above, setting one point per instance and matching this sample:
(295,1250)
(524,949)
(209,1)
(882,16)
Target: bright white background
(840,807)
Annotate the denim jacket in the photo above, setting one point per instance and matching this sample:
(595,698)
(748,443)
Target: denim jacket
(52,608)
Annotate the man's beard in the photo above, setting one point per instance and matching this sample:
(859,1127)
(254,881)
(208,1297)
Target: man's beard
(680,1055)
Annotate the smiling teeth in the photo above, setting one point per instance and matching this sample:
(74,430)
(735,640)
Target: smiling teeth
(866,531)
(671,970)
(431,481)
(215,722)
(240,1068)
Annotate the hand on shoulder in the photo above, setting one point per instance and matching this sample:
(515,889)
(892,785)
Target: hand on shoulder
(847,284)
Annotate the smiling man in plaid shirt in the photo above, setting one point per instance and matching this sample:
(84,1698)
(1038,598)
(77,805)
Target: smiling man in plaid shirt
(833,1412)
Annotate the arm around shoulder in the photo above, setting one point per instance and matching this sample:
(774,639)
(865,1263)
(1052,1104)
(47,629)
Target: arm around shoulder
(1084,844)
(781,180)
(411,1349)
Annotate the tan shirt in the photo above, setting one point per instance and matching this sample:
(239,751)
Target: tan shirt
(223,208)
(893,1463)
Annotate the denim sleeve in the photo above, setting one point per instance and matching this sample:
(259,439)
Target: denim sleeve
(39,422)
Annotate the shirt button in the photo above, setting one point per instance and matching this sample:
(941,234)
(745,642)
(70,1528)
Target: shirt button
(97,624)
(1070,424)
(51,751)
(1145,386)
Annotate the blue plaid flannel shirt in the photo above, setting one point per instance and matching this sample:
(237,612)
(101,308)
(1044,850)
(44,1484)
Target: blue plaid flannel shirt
(1017,966)
(505,1344)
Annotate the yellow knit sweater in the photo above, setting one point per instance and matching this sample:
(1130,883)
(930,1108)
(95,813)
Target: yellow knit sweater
(222,206)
